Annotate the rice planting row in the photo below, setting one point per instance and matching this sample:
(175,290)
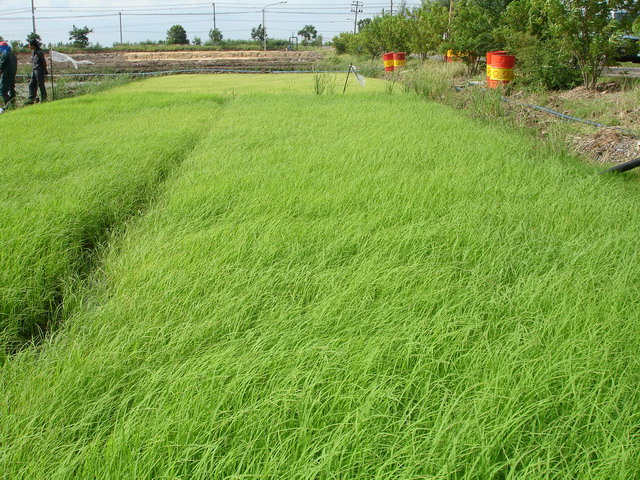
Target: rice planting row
(361,286)
(70,172)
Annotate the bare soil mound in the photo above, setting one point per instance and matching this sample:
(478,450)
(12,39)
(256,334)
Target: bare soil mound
(608,146)
(130,62)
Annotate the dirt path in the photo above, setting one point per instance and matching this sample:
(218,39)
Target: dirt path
(129,62)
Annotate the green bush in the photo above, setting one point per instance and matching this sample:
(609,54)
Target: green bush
(542,65)
(343,43)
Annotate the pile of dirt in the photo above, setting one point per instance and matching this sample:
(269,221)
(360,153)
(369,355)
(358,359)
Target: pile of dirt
(217,55)
(582,93)
(630,116)
(136,62)
(608,146)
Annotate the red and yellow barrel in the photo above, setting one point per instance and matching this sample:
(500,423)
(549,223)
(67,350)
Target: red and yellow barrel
(489,57)
(388,62)
(399,60)
(501,72)
(453,56)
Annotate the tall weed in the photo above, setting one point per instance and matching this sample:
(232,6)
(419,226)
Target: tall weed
(486,103)
(435,81)
(324,83)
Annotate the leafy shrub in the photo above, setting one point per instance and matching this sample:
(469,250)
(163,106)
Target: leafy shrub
(343,43)
(542,64)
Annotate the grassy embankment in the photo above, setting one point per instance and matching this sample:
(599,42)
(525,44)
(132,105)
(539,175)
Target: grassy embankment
(348,287)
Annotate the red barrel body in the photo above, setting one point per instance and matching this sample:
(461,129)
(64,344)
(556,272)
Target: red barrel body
(501,72)
(388,62)
(399,60)
(489,58)
(503,61)
(452,56)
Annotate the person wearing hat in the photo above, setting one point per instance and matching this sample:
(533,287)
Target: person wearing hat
(8,69)
(39,64)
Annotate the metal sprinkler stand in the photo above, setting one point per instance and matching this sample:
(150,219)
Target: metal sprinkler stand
(347,80)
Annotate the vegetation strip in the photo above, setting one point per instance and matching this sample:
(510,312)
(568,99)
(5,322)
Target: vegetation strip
(392,291)
(84,166)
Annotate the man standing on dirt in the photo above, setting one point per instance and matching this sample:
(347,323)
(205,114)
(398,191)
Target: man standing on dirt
(39,64)
(8,68)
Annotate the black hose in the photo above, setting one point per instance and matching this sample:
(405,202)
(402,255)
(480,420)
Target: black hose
(623,167)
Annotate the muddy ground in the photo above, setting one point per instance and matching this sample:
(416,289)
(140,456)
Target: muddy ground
(131,62)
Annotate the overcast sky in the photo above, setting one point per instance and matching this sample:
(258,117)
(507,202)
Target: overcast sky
(150,19)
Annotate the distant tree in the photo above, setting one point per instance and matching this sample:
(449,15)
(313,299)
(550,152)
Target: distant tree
(177,35)
(495,7)
(197,41)
(215,35)
(257,33)
(34,36)
(636,26)
(344,43)
(543,63)
(472,33)
(402,8)
(80,36)
(363,23)
(387,33)
(589,31)
(428,25)
(309,33)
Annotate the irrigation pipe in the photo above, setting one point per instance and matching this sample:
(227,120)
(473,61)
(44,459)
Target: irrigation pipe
(561,115)
(167,72)
(623,167)
(570,118)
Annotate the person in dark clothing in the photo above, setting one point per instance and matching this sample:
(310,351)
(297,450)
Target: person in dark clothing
(8,68)
(39,64)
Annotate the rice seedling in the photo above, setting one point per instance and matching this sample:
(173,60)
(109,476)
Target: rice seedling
(410,294)
(71,171)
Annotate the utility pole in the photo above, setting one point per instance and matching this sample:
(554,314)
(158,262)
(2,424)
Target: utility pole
(120,16)
(214,15)
(33,16)
(392,7)
(264,26)
(356,7)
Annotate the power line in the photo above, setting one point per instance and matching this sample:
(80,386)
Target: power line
(125,18)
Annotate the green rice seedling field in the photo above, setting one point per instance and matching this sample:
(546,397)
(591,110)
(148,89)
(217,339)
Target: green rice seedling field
(70,171)
(316,287)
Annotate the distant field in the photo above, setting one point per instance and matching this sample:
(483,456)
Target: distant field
(314,286)
(230,84)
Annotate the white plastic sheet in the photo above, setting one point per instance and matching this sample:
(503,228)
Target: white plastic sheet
(359,77)
(63,58)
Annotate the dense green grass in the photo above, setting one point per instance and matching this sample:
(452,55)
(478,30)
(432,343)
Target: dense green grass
(348,287)
(239,84)
(69,172)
